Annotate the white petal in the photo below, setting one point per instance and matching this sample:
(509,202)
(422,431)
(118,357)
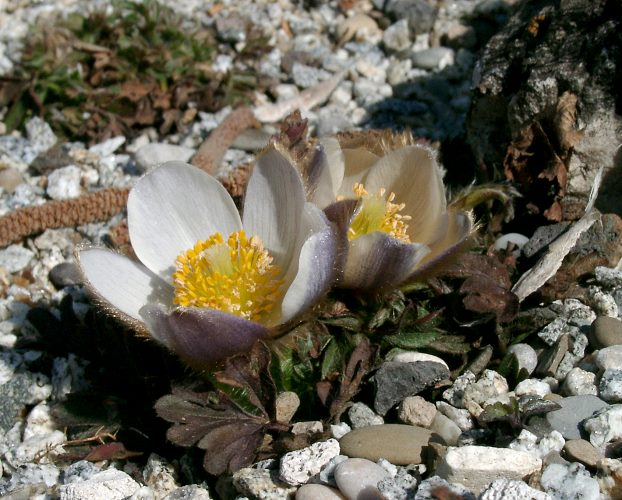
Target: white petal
(313,273)
(273,205)
(125,284)
(329,175)
(357,163)
(377,262)
(414,176)
(171,208)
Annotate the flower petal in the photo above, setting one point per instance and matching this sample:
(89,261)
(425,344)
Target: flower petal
(171,208)
(459,229)
(357,163)
(315,268)
(327,175)
(274,202)
(125,284)
(340,214)
(201,337)
(376,262)
(414,176)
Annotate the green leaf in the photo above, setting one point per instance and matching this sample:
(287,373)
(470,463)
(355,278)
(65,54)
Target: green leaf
(332,360)
(450,344)
(411,340)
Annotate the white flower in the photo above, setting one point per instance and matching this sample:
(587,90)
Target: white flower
(209,284)
(391,207)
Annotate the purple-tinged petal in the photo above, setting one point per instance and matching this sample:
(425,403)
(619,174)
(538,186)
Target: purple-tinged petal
(340,214)
(201,337)
(273,205)
(326,176)
(377,262)
(315,270)
(171,208)
(459,230)
(127,285)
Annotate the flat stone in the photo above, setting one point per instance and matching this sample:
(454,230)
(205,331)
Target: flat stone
(477,466)
(358,478)
(111,484)
(399,444)
(415,410)
(394,381)
(318,492)
(446,428)
(261,483)
(506,489)
(580,450)
(297,467)
(574,410)
(286,405)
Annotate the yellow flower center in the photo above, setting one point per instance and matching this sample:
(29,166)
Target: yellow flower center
(378,213)
(236,276)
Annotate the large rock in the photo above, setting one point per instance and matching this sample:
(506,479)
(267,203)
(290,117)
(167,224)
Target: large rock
(548,86)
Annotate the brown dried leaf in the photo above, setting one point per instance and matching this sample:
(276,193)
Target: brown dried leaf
(111,451)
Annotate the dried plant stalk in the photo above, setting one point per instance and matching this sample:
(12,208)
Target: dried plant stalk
(91,207)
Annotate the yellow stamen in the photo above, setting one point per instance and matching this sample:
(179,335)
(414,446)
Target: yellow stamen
(378,213)
(236,276)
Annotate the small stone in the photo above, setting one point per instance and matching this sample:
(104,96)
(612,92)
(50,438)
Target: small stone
(477,466)
(362,415)
(516,240)
(415,410)
(532,386)
(15,258)
(159,475)
(434,486)
(307,76)
(605,332)
(64,183)
(318,492)
(490,385)
(339,430)
(552,357)
(580,450)
(10,178)
(574,410)
(402,485)
(360,27)
(286,404)
(462,418)
(40,134)
(455,394)
(252,139)
(296,467)
(156,153)
(397,36)
(605,425)
(65,274)
(572,481)
(111,484)
(506,489)
(359,478)
(579,382)
(399,444)
(610,386)
(603,303)
(80,471)
(189,492)
(420,14)
(609,357)
(433,58)
(395,380)
(414,356)
(608,277)
(526,356)
(528,442)
(310,427)
(261,483)
(27,475)
(446,428)
(50,444)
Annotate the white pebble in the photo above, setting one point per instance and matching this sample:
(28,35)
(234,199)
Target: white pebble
(359,477)
(297,467)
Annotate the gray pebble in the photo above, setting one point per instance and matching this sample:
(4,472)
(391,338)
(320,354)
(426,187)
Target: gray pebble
(526,356)
(580,450)
(358,478)
(574,409)
(436,57)
(605,332)
(362,415)
(610,386)
(318,492)
(65,274)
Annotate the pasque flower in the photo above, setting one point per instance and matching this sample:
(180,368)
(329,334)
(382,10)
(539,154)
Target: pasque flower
(207,283)
(389,200)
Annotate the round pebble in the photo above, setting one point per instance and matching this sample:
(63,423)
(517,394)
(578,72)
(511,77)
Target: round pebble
(65,274)
(318,492)
(526,356)
(609,357)
(605,332)
(399,444)
(516,239)
(580,450)
(357,478)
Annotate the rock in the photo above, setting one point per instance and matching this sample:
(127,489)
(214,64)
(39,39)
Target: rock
(607,277)
(603,303)
(525,356)
(360,27)
(80,471)
(434,58)
(310,427)
(489,386)
(261,483)
(580,450)
(362,415)
(110,484)
(64,183)
(571,481)
(434,486)
(532,386)
(446,428)
(160,476)
(286,405)
(506,489)
(579,382)
(40,134)
(553,356)
(610,386)
(397,36)
(15,258)
(307,76)
(414,410)
(455,394)
(399,444)
(339,430)
(318,492)
(65,274)
(605,425)
(402,486)
(574,410)
(414,356)
(419,13)
(462,418)
(528,442)
(29,475)
(327,474)
(155,153)
(605,332)
(252,139)
(296,467)
(477,466)
(189,492)
(394,381)
(359,478)
(23,389)
(10,178)
(609,358)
